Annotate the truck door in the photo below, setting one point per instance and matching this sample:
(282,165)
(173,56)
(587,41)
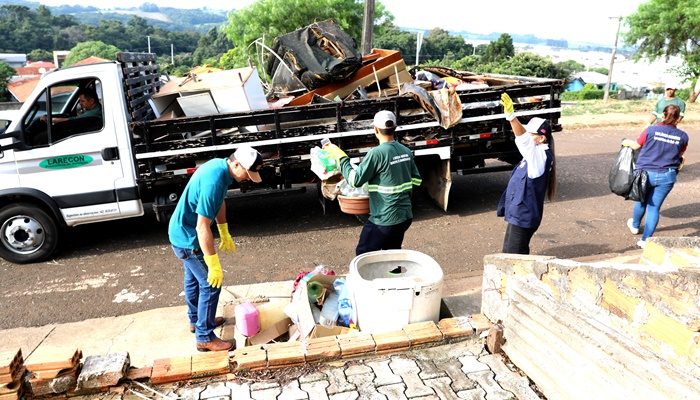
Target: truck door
(72,153)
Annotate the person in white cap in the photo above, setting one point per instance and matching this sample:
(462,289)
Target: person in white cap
(669,98)
(533,179)
(391,174)
(189,230)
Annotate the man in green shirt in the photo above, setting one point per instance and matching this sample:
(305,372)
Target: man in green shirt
(670,98)
(391,173)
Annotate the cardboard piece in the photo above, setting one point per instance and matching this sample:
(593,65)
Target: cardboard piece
(267,335)
(299,310)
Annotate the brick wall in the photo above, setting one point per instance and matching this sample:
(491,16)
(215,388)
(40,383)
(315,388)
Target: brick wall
(602,330)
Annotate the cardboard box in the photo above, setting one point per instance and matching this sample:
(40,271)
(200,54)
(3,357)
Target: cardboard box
(299,310)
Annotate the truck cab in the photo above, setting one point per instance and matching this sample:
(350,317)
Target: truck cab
(64,167)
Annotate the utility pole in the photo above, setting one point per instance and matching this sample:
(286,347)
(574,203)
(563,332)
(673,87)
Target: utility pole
(149,43)
(606,95)
(419,42)
(172,54)
(367,27)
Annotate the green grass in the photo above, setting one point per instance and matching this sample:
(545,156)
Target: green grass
(611,106)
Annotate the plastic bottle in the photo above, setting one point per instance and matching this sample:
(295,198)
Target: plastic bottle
(329,312)
(329,163)
(344,305)
(315,290)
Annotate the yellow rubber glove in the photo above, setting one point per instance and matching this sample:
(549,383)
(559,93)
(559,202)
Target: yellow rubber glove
(627,142)
(507,104)
(216,275)
(682,163)
(334,151)
(226,244)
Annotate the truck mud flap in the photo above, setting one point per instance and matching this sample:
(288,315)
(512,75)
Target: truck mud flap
(437,179)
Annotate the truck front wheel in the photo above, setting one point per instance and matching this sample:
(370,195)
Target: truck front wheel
(27,234)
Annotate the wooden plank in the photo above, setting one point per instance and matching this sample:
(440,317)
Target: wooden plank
(171,369)
(249,358)
(52,358)
(10,361)
(210,364)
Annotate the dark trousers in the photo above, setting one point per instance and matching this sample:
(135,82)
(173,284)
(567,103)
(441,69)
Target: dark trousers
(375,237)
(517,239)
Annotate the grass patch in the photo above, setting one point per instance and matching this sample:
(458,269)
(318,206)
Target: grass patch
(611,106)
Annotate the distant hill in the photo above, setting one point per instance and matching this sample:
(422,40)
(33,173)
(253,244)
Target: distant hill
(172,19)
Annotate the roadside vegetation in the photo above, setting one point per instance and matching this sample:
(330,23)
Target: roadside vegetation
(584,107)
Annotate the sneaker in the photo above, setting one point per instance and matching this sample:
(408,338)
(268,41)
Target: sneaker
(641,243)
(632,228)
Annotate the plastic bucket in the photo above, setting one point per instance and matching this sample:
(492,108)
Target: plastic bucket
(392,288)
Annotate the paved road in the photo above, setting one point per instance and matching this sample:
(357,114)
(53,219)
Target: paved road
(124,267)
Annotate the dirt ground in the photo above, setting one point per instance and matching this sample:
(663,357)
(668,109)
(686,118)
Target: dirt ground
(127,266)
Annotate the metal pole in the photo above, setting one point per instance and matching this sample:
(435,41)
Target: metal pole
(172,55)
(606,95)
(419,42)
(149,43)
(367,27)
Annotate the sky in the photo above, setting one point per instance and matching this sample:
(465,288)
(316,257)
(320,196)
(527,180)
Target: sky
(575,21)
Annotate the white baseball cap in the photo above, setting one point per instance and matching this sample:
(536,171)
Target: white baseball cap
(251,160)
(385,119)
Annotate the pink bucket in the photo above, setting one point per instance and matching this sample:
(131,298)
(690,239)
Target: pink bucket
(247,321)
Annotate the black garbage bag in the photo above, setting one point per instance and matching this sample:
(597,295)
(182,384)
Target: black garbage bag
(638,189)
(316,55)
(622,171)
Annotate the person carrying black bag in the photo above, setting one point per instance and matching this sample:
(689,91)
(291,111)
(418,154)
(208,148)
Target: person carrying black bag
(661,156)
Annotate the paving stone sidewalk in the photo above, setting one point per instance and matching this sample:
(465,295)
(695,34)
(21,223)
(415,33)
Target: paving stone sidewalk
(462,370)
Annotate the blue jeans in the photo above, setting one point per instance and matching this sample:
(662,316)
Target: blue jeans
(660,185)
(200,297)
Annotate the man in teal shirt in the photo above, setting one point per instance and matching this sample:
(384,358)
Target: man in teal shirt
(669,98)
(391,173)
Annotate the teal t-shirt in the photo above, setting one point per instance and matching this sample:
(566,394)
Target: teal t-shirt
(204,195)
(661,104)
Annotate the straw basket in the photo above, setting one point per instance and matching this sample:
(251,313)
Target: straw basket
(354,205)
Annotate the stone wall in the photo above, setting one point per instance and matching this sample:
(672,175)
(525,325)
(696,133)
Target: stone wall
(602,330)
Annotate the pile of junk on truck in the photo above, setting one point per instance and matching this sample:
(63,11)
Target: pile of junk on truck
(67,161)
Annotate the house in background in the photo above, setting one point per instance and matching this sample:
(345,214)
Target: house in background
(595,78)
(15,60)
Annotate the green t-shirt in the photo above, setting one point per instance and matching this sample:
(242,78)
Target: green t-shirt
(95,112)
(661,104)
(390,173)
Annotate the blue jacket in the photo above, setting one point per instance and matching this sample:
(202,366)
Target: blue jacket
(522,203)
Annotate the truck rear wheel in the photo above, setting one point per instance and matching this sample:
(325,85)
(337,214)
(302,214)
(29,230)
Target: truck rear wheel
(27,234)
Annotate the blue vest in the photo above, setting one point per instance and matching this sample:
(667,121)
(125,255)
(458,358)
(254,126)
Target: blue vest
(662,148)
(522,203)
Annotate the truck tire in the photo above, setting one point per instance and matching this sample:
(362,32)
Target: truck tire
(27,234)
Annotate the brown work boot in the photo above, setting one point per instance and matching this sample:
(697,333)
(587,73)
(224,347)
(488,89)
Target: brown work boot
(215,345)
(218,321)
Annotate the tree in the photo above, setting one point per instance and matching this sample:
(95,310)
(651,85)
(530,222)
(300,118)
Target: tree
(500,50)
(271,18)
(439,46)
(91,48)
(6,72)
(395,39)
(664,28)
(212,46)
(40,55)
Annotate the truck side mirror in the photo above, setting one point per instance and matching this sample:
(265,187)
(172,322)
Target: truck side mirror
(17,144)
